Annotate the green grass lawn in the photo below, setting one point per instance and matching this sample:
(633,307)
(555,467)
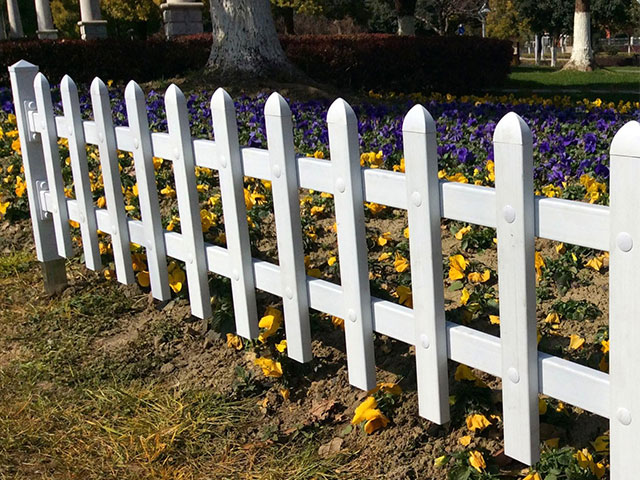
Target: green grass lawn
(611,83)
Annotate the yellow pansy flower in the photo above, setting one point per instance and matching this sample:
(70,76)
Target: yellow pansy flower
(177,277)
(476,460)
(234,341)
(270,368)
(143,278)
(400,263)
(282,346)
(383,239)
(271,322)
(576,342)
(477,422)
(457,265)
(462,232)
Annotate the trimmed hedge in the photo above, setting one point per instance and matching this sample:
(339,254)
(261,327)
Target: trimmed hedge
(409,64)
(364,61)
(110,59)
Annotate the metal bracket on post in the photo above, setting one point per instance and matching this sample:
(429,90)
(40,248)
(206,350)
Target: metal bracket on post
(31,110)
(42,187)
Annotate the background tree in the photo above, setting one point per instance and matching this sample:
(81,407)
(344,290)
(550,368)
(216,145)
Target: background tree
(505,21)
(126,18)
(547,16)
(286,9)
(438,15)
(245,41)
(582,52)
(406,11)
(66,15)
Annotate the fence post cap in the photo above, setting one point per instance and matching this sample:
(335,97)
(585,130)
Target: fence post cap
(626,143)
(418,120)
(22,65)
(512,129)
(276,106)
(340,112)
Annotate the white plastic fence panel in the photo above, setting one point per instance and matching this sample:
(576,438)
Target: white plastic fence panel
(52,164)
(286,209)
(147,192)
(423,205)
(22,76)
(184,171)
(231,176)
(352,244)
(110,164)
(515,222)
(624,301)
(80,171)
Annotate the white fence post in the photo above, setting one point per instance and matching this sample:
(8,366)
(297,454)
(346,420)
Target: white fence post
(55,182)
(147,191)
(80,170)
(231,176)
(286,209)
(22,76)
(110,166)
(516,281)
(187,194)
(352,244)
(425,242)
(624,301)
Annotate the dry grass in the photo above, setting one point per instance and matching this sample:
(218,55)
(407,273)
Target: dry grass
(67,412)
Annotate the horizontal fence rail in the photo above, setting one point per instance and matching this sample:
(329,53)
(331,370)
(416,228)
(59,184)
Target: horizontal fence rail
(510,207)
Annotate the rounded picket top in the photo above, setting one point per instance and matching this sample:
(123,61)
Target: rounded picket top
(418,120)
(512,129)
(41,81)
(68,84)
(276,106)
(133,90)
(222,101)
(173,93)
(626,143)
(98,87)
(341,113)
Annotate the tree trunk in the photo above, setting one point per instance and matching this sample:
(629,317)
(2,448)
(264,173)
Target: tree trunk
(245,41)
(406,10)
(581,54)
(407,25)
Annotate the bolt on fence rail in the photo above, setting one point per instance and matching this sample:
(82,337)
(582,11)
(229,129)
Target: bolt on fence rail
(511,207)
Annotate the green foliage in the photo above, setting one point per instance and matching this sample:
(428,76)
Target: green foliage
(576,310)
(505,21)
(561,464)
(66,15)
(547,15)
(461,469)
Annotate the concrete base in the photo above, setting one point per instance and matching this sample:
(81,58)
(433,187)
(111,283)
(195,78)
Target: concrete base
(93,29)
(47,34)
(182,18)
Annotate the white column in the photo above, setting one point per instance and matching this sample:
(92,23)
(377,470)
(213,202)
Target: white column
(182,17)
(15,23)
(91,24)
(46,29)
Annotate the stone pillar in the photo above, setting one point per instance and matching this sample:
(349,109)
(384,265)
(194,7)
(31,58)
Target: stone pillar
(182,17)
(46,30)
(91,24)
(15,23)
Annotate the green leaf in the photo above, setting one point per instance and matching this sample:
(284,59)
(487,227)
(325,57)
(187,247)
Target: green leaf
(457,285)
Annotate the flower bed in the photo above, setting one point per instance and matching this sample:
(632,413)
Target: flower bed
(571,144)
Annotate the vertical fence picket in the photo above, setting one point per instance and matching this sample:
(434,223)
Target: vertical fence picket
(423,208)
(22,76)
(188,207)
(624,301)
(52,165)
(286,206)
(147,191)
(352,244)
(231,176)
(515,222)
(80,171)
(112,184)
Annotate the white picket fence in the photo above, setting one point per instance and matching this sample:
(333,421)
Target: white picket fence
(511,207)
